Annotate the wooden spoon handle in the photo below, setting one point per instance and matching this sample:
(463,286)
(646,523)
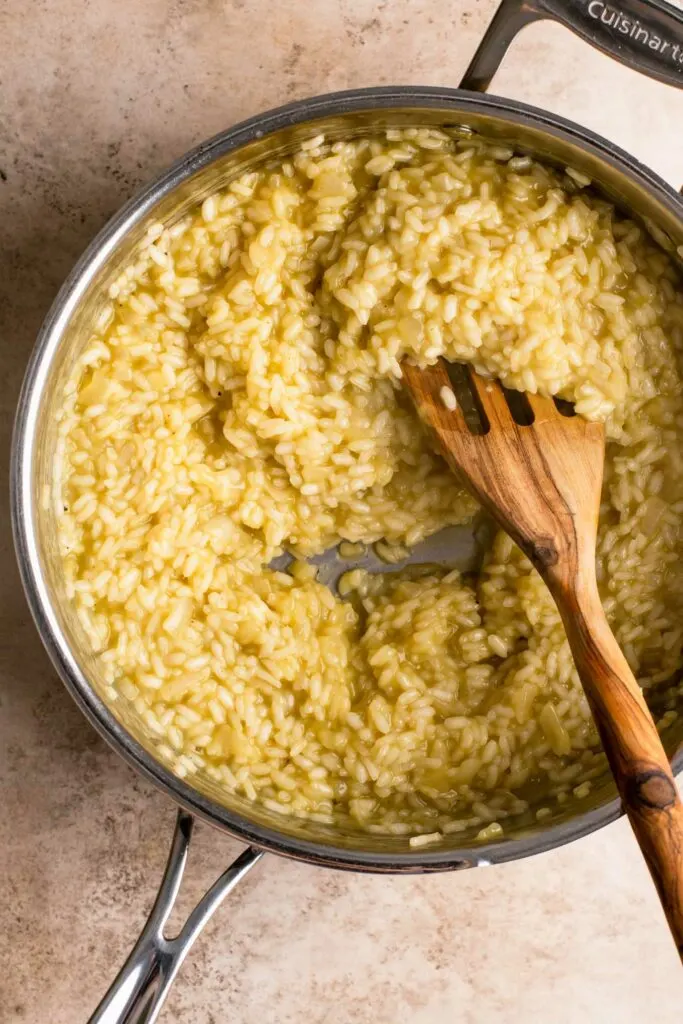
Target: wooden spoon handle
(634,750)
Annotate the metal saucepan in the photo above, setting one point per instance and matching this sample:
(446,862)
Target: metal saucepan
(644,34)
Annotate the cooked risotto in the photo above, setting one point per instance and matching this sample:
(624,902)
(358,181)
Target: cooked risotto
(241,397)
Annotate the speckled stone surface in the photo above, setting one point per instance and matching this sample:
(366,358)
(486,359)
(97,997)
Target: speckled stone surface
(96,96)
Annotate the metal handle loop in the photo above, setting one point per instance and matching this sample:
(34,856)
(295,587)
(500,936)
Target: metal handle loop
(646,35)
(141,986)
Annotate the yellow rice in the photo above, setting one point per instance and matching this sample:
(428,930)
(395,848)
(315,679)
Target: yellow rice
(240,396)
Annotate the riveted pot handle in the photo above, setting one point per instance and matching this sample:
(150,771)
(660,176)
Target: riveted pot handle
(141,986)
(646,35)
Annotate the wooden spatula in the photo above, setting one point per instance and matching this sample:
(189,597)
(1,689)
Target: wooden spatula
(539,473)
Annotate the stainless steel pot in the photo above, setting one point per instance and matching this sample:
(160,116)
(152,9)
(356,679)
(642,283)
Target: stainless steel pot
(644,34)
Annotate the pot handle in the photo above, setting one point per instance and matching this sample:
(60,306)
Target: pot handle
(646,35)
(141,986)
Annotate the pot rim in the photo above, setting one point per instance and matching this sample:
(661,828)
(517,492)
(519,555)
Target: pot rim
(23,513)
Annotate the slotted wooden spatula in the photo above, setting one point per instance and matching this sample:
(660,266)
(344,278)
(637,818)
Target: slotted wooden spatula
(539,473)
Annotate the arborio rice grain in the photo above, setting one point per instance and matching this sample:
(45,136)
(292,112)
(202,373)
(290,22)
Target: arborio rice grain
(241,395)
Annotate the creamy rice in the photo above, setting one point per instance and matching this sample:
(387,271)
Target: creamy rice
(240,396)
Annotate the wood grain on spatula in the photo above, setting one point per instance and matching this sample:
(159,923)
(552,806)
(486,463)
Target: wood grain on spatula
(541,481)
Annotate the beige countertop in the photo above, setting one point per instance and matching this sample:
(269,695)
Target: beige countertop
(96,97)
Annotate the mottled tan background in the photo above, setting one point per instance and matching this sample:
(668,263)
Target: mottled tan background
(95,98)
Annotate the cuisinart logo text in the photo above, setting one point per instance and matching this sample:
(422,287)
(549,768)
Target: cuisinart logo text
(631,27)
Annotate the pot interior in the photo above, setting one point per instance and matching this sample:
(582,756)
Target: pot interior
(634,189)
